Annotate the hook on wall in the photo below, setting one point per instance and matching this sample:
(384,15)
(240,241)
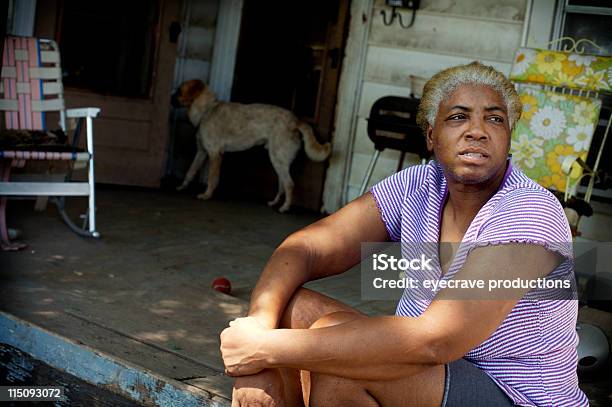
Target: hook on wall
(394,4)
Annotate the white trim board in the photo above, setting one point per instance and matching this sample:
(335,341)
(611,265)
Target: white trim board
(225,48)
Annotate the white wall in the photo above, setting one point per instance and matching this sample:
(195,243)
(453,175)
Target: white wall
(195,48)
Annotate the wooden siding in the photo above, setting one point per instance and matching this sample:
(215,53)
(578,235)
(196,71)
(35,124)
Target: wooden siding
(195,52)
(444,34)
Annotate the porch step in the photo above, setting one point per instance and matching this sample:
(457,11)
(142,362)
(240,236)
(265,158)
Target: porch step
(108,372)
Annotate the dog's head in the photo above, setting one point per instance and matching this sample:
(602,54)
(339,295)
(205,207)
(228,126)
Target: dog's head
(187,92)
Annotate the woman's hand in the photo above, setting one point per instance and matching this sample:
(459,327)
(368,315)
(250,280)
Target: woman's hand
(243,347)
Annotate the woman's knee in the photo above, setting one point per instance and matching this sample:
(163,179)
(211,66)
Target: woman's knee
(307,306)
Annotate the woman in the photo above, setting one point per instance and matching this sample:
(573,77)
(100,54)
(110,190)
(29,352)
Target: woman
(479,348)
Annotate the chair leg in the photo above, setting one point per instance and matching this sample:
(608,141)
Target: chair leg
(5,243)
(369,172)
(88,224)
(400,164)
(60,202)
(92,181)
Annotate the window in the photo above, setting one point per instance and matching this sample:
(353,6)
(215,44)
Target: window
(109,47)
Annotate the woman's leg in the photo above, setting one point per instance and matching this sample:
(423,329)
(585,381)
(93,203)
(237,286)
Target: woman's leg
(423,389)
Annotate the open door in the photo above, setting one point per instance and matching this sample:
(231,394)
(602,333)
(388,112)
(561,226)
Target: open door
(314,100)
(289,57)
(119,56)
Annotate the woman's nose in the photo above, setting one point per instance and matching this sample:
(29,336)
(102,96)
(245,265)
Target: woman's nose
(476,130)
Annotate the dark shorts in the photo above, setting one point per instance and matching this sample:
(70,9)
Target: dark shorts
(467,385)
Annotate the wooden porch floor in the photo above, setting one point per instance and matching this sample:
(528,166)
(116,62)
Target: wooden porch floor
(142,293)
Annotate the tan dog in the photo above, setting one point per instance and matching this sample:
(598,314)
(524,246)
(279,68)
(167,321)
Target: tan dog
(235,127)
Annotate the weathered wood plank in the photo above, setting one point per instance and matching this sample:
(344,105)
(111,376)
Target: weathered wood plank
(100,369)
(476,39)
(386,165)
(20,369)
(192,68)
(199,42)
(509,10)
(373,91)
(363,144)
(220,384)
(394,66)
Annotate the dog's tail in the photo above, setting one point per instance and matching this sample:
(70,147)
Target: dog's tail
(314,150)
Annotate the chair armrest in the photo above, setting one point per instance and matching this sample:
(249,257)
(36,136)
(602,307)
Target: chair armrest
(82,112)
(574,166)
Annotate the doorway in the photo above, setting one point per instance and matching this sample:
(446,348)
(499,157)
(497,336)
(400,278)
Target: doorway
(289,57)
(118,56)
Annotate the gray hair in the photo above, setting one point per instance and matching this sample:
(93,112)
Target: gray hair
(445,82)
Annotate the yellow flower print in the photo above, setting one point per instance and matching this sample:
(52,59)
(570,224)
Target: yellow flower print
(582,60)
(525,151)
(579,137)
(570,68)
(583,113)
(523,61)
(566,79)
(554,181)
(594,79)
(555,158)
(549,62)
(556,97)
(548,122)
(536,78)
(530,106)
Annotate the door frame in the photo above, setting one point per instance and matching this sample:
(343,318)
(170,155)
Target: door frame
(347,105)
(225,48)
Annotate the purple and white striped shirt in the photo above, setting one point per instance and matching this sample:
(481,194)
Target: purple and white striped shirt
(532,355)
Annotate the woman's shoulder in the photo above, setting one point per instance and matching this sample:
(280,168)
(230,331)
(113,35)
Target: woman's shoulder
(428,176)
(520,190)
(524,206)
(409,180)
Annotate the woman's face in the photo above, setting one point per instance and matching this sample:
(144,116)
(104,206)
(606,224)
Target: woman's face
(471,135)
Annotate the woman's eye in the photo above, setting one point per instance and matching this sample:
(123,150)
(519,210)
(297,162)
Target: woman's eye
(497,119)
(457,117)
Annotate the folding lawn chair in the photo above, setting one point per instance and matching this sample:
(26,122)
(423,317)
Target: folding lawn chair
(561,110)
(31,87)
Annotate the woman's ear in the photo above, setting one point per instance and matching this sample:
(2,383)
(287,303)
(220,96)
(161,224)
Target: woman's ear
(429,138)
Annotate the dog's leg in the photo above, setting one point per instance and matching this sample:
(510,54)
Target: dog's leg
(214,170)
(193,169)
(282,170)
(288,187)
(278,194)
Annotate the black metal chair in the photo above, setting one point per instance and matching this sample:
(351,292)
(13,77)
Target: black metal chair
(392,124)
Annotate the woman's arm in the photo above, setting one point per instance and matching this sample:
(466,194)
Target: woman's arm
(393,347)
(300,258)
(313,253)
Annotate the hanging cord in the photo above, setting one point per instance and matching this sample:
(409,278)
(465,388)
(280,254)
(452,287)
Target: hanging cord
(394,14)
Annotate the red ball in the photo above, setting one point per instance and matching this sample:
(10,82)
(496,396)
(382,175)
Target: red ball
(222,285)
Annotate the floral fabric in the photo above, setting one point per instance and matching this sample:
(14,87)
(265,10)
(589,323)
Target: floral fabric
(552,127)
(562,69)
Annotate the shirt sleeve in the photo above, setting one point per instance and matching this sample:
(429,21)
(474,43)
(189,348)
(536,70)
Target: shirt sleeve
(390,194)
(528,215)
